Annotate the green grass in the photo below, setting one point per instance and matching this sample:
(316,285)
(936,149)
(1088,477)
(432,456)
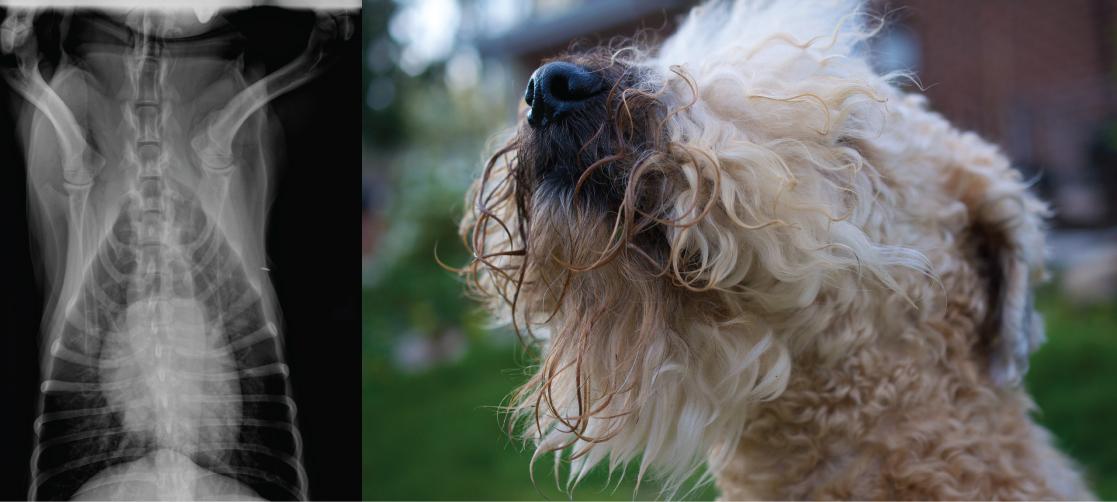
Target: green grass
(1074,381)
(438,435)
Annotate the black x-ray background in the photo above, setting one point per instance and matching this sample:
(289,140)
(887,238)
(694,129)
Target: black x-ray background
(311,246)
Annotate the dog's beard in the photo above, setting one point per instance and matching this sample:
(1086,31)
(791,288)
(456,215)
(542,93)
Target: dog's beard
(574,252)
(632,364)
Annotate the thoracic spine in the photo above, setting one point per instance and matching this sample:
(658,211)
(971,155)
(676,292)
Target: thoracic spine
(146,113)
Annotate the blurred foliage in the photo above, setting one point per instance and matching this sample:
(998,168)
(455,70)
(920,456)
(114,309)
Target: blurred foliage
(445,438)
(428,180)
(380,75)
(1073,379)
(440,435)
(425,148)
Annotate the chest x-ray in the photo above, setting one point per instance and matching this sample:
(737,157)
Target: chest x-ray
(149,171)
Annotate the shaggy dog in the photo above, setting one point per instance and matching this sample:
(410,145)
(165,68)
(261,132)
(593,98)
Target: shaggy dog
(750,249)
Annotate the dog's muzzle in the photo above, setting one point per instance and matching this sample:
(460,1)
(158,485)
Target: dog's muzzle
(556,89)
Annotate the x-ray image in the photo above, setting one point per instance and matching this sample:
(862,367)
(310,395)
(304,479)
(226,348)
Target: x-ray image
(164,179)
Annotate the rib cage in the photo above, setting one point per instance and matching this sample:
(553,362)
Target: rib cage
(197,371)
(164,375)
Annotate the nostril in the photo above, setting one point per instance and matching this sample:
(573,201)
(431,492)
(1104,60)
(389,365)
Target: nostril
(568,82)
(529,93)
(557,88)
(575,85)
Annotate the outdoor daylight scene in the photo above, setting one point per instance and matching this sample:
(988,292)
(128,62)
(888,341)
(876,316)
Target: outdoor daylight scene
(620,249)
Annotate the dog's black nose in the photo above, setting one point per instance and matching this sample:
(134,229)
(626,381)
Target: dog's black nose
(556,89)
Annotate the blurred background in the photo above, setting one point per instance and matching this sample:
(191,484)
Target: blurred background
(441,77)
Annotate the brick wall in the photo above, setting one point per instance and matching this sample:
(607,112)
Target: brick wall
(1033,75)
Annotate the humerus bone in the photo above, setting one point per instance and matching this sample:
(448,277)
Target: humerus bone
(214,144)
(79,162)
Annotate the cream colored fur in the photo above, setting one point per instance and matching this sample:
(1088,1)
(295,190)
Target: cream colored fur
(844,310)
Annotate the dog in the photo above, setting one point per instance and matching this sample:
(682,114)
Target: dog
(748,250)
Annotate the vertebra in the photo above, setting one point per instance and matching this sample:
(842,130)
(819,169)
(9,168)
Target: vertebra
(146,112)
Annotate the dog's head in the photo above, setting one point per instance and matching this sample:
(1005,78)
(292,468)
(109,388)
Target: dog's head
(671,225)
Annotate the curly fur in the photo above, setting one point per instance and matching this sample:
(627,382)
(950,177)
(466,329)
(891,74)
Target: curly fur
(758,253)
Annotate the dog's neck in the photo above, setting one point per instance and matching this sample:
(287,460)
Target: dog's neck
(897,421)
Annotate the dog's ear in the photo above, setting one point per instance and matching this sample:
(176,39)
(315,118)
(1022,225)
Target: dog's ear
(1013,329)
(1006,226)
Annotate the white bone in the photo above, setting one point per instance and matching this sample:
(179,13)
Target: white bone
(78,197)
(214,144)
(204,12)
(15,29)
(79,162)
(217,191)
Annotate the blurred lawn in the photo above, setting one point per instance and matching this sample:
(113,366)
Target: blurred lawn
(437,435)
(1074,381)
